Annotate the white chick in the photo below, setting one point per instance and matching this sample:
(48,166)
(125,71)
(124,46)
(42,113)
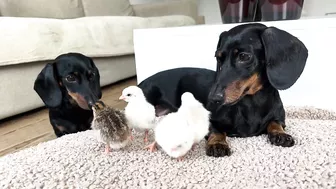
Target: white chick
(173,135)
(177,132)
(139,113)
(197,116)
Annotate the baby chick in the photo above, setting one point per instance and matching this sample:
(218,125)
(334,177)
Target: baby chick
(196,115)
(177,132)
(174,136)
(139,113)
(112,126)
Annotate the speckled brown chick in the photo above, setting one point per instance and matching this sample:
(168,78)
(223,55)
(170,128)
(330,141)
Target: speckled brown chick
(112,126)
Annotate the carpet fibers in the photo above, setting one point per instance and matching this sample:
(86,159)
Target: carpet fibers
(78,161)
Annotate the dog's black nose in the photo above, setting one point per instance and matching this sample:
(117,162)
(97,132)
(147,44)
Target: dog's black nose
(91,103)
(217,98)
(215,101)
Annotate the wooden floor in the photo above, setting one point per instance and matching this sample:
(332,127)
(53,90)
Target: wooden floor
(32,128)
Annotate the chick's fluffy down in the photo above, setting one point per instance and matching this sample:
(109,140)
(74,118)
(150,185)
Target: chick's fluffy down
(139,113)
(174,135)
(196,115)
(112,127)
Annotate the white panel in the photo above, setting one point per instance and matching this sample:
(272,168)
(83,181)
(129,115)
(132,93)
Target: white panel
(166,48)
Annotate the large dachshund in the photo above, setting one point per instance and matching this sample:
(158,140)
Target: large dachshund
(253,63)
(69,87)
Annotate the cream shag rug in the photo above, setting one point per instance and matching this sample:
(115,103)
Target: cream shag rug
(78,161)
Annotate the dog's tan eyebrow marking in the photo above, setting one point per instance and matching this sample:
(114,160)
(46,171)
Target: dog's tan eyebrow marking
(219,54)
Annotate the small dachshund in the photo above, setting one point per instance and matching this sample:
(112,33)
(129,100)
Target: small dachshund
(69,87)
(253,63)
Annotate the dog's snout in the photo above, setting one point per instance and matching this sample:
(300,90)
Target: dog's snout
(217,98)
(91,100)
(216,95)
(91,103)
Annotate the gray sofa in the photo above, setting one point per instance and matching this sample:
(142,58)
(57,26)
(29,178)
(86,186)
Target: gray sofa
(33,34)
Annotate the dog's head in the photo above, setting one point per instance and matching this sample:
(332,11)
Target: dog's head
(252,55)
(73,76)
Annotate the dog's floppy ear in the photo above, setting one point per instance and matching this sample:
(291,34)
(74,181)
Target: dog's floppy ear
(47,87)
(218,53)
(285,57)
(221,37)
(97,88)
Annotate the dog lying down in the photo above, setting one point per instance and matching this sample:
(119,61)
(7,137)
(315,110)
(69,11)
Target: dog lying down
(254,62)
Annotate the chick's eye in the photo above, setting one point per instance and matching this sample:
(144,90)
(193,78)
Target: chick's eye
(128,95)
(70,78)
(244,57)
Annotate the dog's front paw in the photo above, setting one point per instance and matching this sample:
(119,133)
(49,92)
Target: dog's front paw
(281,139)
(217,146)
(218,150)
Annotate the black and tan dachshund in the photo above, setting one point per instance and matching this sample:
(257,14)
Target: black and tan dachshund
(69,87)
(253,63)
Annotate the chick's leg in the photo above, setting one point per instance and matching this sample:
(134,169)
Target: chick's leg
(180,158)
(131,134)
(146,136)
(107,148)
(151,147)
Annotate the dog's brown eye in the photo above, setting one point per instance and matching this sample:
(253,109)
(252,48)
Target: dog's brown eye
(244,57)
(91,76)
(70,78)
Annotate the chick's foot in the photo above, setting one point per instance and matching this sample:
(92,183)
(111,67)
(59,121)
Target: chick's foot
(146,136)
(151,147)
(107,149)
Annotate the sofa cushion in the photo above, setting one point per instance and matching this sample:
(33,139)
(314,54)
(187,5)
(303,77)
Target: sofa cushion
(42,8)
(65,8)
(107,8)
(25,40)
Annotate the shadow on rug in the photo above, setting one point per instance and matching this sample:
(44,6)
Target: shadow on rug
(79,161)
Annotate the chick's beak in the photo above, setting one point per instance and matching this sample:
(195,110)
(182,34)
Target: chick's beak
(121,97)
